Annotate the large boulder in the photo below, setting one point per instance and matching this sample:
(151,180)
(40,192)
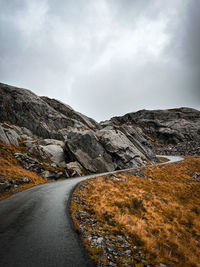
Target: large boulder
(84,147)
(46,150)
(124,153)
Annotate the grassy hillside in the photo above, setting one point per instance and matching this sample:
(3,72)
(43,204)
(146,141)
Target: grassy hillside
(10,170)
(129,220)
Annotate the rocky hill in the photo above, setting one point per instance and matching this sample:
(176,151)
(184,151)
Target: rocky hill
(50,139)
(54,141)
(172,132)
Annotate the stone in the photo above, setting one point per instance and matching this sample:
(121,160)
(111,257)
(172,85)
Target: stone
(13,137)
(171,132)
(47,150)
(124,153)
(84,147)
(75,169)
(4,185)
(3,137)
(71,113)
(42,117)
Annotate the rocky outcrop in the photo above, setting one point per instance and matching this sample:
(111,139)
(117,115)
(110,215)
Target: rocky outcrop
(59,142)
(84,147)
(173,131)
(12,183)
(42,116)
(67,111)
(47,150)
(124,153)
(55,141)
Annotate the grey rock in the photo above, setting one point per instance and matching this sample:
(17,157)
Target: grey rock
(84,147)
(25,109)
(71,113)
(62,164)
(123,151)
(3,137)
(99,240)
(196,176)
(4,185)
(54,175)
(19,181)
(47,150)
(173,131)
(13,137)
(75,169)
(29,163)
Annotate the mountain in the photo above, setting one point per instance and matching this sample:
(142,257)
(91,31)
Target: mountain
(49,138)
(52,140)
(172,131)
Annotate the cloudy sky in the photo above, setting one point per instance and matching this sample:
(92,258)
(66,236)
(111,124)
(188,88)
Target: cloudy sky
(103,57)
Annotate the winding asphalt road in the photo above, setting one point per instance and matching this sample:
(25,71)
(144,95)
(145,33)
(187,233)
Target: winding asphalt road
(36,229)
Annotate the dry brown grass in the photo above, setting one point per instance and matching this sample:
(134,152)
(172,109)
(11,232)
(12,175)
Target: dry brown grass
(11,170)
(160,213)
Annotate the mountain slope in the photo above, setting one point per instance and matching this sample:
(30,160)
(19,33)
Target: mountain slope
(59,142)
(173,131)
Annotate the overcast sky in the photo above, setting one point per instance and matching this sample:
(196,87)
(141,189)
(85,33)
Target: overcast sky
(103,57)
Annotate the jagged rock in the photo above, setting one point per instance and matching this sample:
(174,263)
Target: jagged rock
(29,115)
(24,108)
(29,163)
(69,112)
(139,140)
(4,185)
(18,181)
(3,137)
(173,131)
(12,134)
(11,183)
(83,146)
(13,137)
(123,151)
(75,169)
(47,150)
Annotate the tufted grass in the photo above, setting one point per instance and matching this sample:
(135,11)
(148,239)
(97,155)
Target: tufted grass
(159,214)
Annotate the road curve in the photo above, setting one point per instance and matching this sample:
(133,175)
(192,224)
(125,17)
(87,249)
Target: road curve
(36,229)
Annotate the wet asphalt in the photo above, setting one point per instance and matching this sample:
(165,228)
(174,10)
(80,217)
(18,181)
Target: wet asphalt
(36,229)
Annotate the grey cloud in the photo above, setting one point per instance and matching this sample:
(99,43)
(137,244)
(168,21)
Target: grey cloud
(103,58)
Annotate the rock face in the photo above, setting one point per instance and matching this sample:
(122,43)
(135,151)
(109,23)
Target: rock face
(47,150)
(59,142)
(124,153)
(173,131)
(54,134)
(87,150)
(25,109)
(70,113)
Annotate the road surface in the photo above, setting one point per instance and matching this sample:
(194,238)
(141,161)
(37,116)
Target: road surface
(36,229)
